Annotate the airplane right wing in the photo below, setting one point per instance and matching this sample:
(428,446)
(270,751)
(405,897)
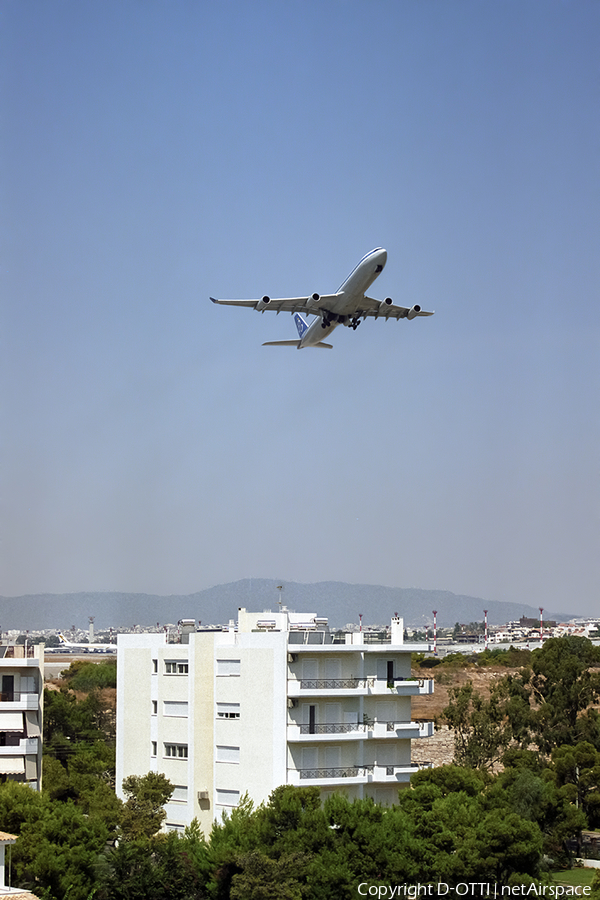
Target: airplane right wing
(311,304)
(387,310)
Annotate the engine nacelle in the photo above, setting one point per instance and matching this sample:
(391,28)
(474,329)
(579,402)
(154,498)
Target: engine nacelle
(314,299)
(262,304)
(384,305)
(413,312)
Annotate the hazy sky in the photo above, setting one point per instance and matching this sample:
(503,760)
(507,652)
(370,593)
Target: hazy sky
(155,153)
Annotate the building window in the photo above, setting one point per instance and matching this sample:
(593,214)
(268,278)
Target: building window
(176,668)
(178,751)
(154,707)
(154,748)
(175,708)
(228,710)
(180,794)
(228,754)
(228,666)
(227,798)
(154,666)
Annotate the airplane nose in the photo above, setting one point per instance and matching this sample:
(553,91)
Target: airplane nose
(380,259)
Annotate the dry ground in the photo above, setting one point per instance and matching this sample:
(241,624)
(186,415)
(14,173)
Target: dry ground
(439,749)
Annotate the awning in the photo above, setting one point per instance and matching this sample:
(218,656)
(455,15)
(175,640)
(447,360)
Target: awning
(11,721)
(33,725)
(31,768)
(12,765)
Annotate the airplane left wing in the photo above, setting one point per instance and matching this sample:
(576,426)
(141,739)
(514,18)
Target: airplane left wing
(385,309)
(312,304)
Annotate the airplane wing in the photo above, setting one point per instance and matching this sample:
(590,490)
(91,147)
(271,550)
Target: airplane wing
(383,310)
(295,344)
(311,304)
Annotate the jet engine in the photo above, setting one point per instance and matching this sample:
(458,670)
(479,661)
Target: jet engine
(384,304)
(313,299)
(413,312)
(262,304)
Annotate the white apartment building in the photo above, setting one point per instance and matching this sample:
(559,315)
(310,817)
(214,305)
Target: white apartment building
(21,712)
(277,700)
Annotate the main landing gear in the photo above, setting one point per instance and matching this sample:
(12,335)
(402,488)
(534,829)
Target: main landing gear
(354,323)
(330,318)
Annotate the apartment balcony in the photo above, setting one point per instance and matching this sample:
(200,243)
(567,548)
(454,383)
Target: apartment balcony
(26,746)
(412,730)
(343,731)
(364,774)
(403,687)
(397,774)
(328,731)
(325,775)
(16,700)
(334,687)
(354,687)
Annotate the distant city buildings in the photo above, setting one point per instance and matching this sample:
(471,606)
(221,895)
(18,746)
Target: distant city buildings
(277,699)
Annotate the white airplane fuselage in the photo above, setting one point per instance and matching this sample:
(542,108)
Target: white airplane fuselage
(349,297)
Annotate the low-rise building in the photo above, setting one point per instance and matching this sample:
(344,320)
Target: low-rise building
(277,700)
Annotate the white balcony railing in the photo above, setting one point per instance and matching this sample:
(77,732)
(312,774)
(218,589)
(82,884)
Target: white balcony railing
(26,746)
(359,731)
(19,700)
(399,687)
(358,774)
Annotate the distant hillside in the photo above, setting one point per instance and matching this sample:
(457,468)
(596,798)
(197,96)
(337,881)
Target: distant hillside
(340,602)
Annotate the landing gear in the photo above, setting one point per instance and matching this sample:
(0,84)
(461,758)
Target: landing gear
(354,323)
(330,318)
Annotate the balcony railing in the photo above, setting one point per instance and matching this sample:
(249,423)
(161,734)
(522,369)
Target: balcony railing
(336,772)
(334,684)
(333,728)
(17,651)
(16,696)
(413,766)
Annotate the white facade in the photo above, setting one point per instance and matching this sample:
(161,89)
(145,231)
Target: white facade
(21,712)
(272,702)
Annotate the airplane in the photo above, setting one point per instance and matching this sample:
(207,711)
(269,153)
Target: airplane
(346,307)
(90,648)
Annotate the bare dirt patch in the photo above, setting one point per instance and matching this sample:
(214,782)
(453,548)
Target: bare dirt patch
(439,749)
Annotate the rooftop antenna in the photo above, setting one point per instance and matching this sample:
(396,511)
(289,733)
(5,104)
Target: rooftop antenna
(280,589)
(360,615)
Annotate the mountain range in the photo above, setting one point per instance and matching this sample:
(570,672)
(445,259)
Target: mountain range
(340,602)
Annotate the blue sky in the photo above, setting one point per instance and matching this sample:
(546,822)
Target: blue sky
(155,153)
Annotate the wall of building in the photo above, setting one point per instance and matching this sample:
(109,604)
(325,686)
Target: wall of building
(222,715)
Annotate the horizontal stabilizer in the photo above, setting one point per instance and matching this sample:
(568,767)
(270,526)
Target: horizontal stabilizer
(295,344)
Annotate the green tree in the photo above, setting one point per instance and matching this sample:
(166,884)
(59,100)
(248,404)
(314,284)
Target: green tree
(169,866)
(143,812)
(83,675)
(546,703)
(482,731)
(577,770)
(57,844)
(564,685)
(263,878)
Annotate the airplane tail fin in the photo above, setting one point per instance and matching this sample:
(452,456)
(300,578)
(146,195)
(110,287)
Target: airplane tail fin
(301,325)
